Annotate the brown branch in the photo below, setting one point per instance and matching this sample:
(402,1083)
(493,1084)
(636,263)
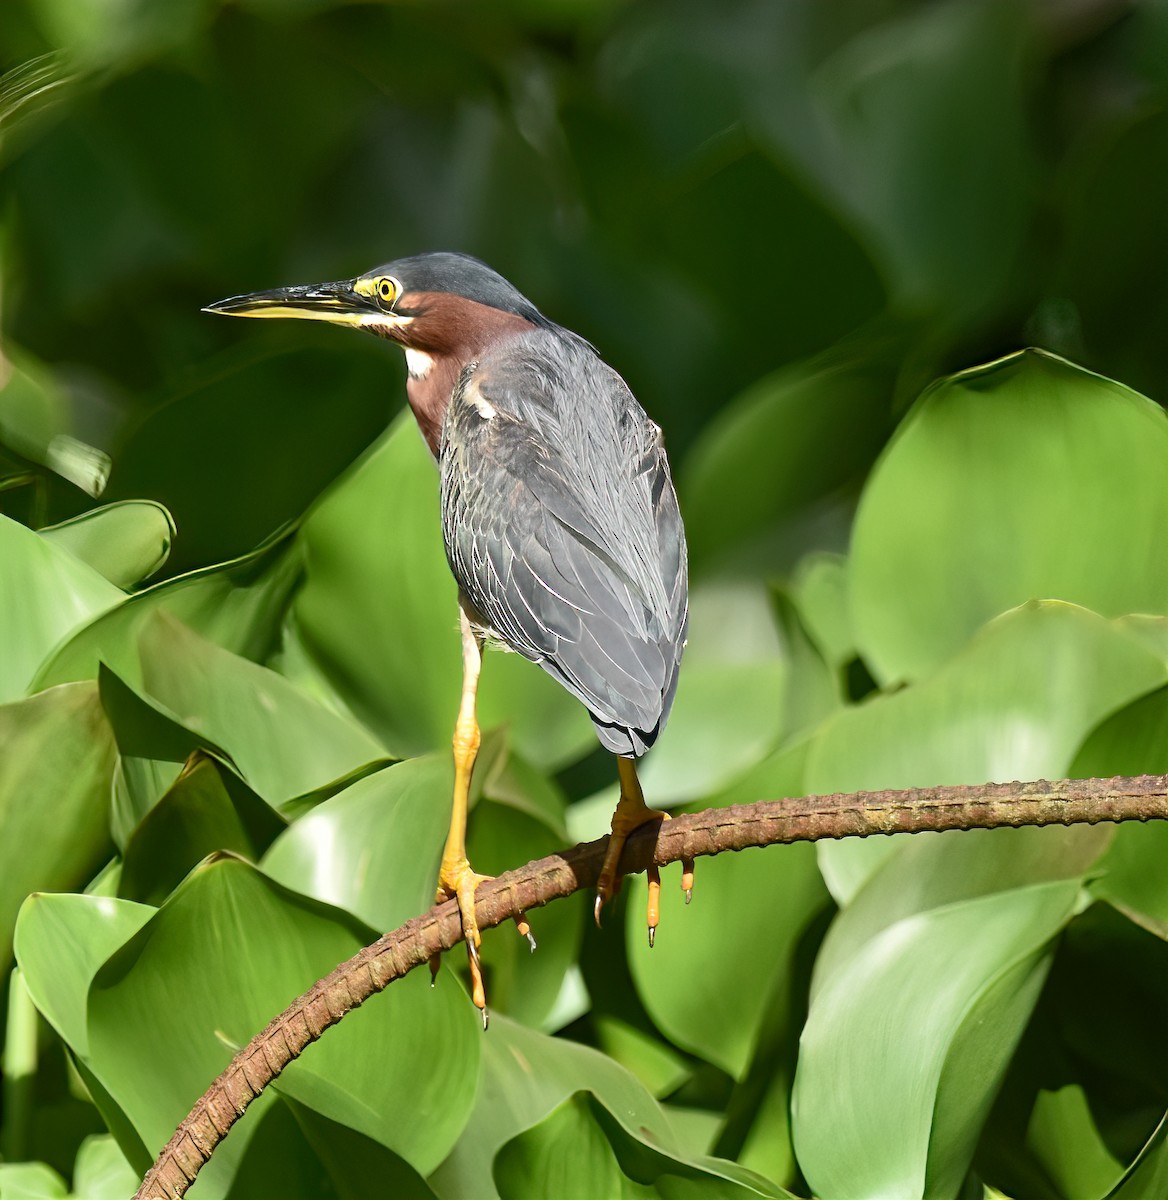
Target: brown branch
(766,823)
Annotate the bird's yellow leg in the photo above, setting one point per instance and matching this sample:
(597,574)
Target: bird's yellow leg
(631,813)
(455,878)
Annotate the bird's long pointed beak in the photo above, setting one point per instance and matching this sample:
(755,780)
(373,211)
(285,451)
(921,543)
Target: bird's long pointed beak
(337,303)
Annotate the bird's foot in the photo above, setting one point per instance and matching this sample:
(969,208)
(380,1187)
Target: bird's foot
(624,821)
(456,881)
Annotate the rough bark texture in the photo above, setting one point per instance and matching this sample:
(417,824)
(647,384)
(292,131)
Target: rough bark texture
(810,818)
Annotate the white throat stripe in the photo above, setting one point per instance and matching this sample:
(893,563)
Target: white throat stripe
(418,364)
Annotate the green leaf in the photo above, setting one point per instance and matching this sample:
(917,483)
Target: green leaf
(659,1068)
(284,742)
(812,686)
(729,710)
(152,748)
(238,605)
(61,941)
(1067,1144)
(741,902)
(244,947)
(519,819)
(35,410)
(378,615)
(820,590)
(126,542)
(1081,1102)
(758,462)
(1014,704)
(297,1153)
(1133,741)
(58,759)
(1147,1177)
(102,1172)
(966,513)
(45,594)
(526,1076)
(920,1022)
(30,1181)
(566,1154)
(207,808)
(725,719)
(373,849)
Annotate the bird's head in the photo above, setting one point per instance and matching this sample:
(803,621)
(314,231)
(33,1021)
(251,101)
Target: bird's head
(440,304)
(443,309)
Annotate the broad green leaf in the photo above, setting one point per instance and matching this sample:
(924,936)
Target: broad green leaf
(820,590)
(378,614)
(61,942)
(706,983)
(45,594)
(1148,1176)
(373,849)
(238,605)
(659,1068)
(284,742)
(736,680)
(758,462)
(523,984)
(207,808)
(244,947)
(767,1147)
(569,1154)
(915,1031)
(58,760)
(126,542)
(1133,741)
(812,685)
(102,1172)
(1083,1097)
(35,410)
(343,1161)
(566,1154)
(33,406)
(928,872)
(966,514)
(776,777)
(1014,704)
(1066,1142)
(152,748)
(31,1181)
(525,1076)
(726,718)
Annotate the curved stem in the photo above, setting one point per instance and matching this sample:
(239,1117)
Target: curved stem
(809,818)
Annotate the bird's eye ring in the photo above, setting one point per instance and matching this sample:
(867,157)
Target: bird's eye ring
(387,289)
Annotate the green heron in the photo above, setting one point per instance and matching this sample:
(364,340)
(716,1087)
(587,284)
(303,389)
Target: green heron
(559,517)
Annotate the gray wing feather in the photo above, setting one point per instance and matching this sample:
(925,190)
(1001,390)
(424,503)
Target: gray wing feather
(562,528)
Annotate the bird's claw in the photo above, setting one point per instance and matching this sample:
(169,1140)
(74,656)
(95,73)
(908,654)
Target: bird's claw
(459,882)
(525,931)
(653,908)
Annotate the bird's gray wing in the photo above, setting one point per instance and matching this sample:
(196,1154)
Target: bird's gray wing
(562,528)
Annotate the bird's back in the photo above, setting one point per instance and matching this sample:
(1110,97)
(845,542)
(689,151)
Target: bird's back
(562,527)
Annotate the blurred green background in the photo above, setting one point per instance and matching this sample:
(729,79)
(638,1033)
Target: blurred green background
(709,193)
(800,231)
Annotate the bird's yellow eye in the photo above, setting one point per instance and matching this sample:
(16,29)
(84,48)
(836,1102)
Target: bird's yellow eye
(387,289)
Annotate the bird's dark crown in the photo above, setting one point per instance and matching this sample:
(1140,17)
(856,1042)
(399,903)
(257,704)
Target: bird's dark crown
(460,275)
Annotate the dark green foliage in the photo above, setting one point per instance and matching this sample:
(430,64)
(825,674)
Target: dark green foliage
(816,239)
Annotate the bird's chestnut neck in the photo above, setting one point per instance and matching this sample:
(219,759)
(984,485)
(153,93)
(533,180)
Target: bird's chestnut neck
(445,333)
